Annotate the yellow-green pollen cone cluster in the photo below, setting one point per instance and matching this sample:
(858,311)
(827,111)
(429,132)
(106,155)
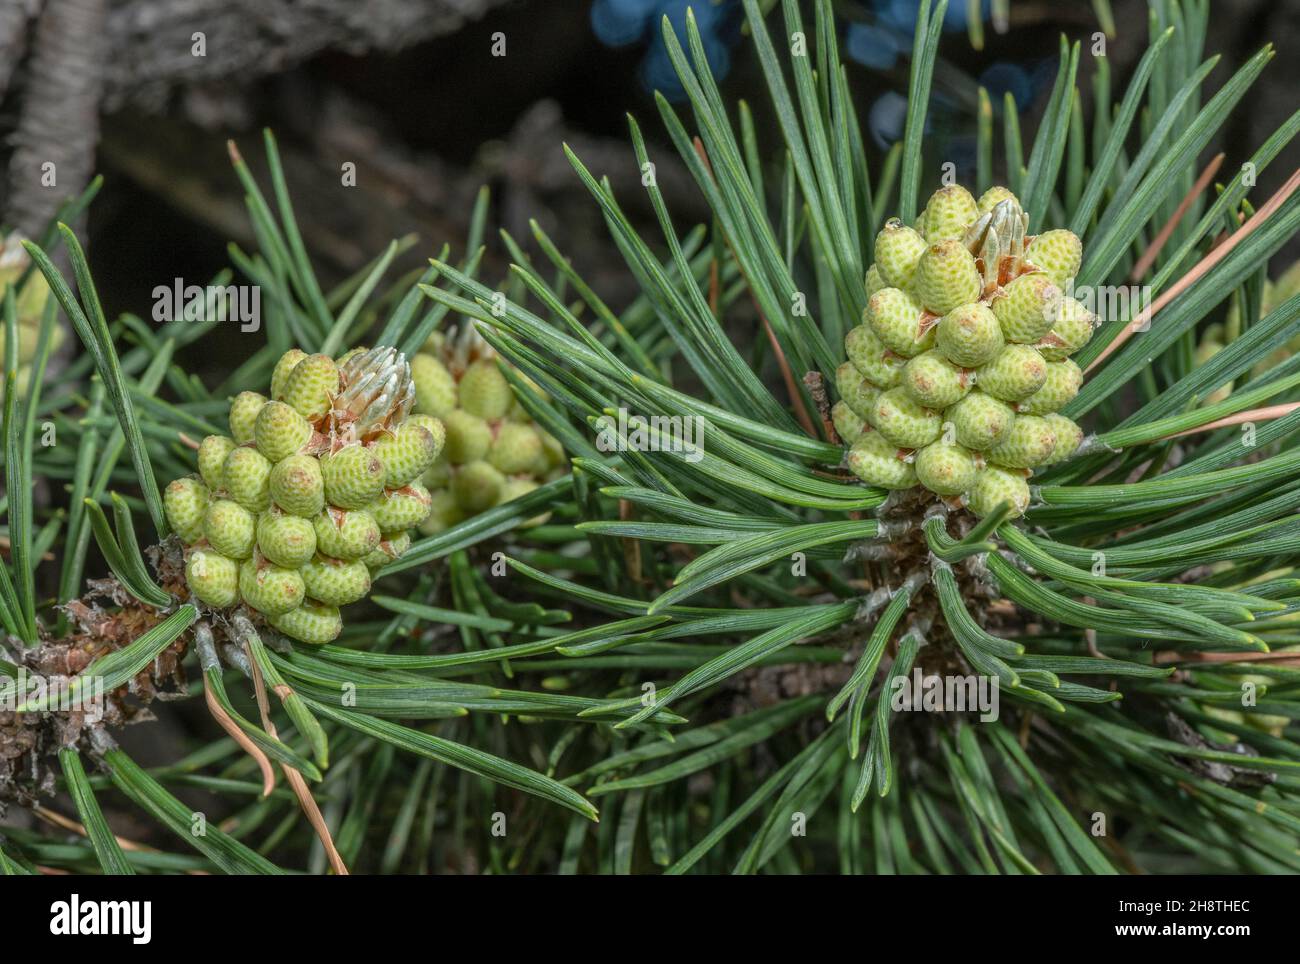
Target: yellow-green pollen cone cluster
(955,377)
(495,452)
(314,488)
(30,303)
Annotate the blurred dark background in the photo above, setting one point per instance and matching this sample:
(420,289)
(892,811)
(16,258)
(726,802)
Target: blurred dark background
(416,94)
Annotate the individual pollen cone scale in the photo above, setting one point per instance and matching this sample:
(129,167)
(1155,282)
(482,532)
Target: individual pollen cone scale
(313,488)
(956,375)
